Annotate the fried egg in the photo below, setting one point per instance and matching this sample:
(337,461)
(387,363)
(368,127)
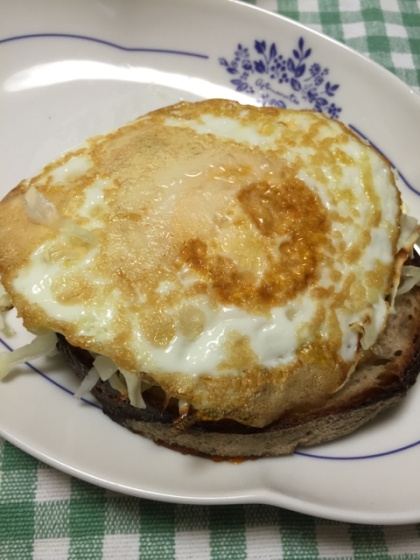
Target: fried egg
(239,257)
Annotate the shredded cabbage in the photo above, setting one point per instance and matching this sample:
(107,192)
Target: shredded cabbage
(410,277)
(117,384)
(410,231)
(41,345)
(105,367)
(42,211)
(183,407)
(87,384)
(39,209)
(366,328)
(5,328)
(134,389)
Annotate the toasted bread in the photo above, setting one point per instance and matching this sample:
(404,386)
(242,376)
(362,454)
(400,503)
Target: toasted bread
(378,383)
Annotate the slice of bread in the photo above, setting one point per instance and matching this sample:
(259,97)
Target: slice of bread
(379,382)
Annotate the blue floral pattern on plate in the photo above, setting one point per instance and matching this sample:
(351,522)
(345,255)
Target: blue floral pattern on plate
(282,81)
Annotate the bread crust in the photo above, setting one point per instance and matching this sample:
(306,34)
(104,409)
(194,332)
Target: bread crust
(378,383)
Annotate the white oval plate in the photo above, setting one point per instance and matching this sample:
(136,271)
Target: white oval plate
(72,69)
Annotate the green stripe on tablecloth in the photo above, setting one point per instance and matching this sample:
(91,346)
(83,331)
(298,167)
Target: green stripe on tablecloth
(257,515)
(157,538)
(377,41)
(52,519)
(17,506)
(330,18)
(192,518)
(411,20)
(298,536)
(87,521)
(227,526)
(409,7)
(122,515)
(288,8)
(369,544)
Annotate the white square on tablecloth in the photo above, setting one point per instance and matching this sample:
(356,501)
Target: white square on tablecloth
(263,543)
(51,549)
(334,541)
(395,30)
(353,30)
(349,5)
(52,485)
(308,6)
(123,547)
(190,545)
(403,60)
(390,5)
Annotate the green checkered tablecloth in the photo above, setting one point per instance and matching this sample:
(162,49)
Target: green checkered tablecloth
(387,31)
(47,515)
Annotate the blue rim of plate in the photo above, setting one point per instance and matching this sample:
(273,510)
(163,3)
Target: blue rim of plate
(100,41)
(281,70)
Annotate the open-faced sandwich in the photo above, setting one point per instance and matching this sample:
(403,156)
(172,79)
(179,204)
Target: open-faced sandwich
(227,280)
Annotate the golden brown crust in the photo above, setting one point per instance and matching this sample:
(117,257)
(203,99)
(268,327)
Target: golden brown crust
(136,259)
